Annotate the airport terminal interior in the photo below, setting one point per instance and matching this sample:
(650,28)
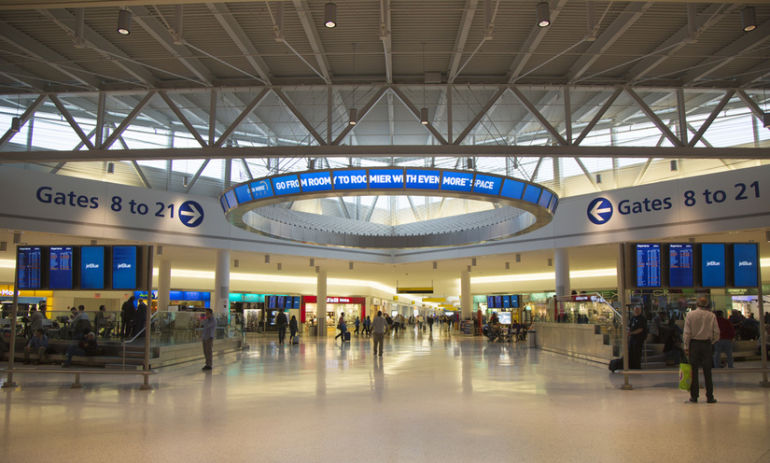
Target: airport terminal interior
(506,181)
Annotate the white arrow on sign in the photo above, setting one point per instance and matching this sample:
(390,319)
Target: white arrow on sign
(596,211)
(194,213)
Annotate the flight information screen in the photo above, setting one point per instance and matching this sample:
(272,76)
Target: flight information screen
(60,267)
(92,267)
(681,265)
(30,267)
(124,267)
(713,265)
(745,260)
(648,266)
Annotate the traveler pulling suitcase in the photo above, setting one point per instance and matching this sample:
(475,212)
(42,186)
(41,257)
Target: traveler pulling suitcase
(347,335)
(295,340)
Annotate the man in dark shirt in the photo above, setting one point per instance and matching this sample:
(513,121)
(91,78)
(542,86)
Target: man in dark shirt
(637,332)
(725,343)
(127,312)
(86,346)
(280,322)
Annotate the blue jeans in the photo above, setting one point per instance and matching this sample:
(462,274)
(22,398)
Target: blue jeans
(73,349)
(726,346)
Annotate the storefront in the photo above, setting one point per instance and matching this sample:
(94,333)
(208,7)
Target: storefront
(353,307)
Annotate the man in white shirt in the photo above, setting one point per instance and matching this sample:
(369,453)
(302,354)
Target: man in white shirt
(378,332)
(701,331)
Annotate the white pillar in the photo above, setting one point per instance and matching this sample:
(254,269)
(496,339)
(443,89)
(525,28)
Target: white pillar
(221,301)
(466,299)
(164,284)
(561,266)
(320,310)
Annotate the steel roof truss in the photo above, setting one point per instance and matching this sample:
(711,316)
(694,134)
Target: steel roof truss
(183,119)
(654,118)
(23,119)
(533,110)
(71,120)
(714,113)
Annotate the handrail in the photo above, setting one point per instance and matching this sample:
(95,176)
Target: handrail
(134,339)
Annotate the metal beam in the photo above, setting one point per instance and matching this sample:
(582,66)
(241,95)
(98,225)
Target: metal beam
(246,111)
(747,43)
(196,176)
(492,101)
(301,118)
(306,19)
(416,113)
(238,36)
(386,34)
(161,35)
(462,37)
(532,109)
(183,119)
(23,119)
(68,22)
(45,55)
(654,118)
(632,13)
(380,151)
(536,35)
(707,123)
(71,121)
(373,101)
(597,117)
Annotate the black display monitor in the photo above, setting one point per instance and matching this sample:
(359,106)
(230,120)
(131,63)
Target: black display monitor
(745,265)
(60,267)
(647,265)
(30,267)
(681,265)
(713,265)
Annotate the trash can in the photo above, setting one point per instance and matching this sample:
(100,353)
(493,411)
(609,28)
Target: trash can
(312,331)
(531,338)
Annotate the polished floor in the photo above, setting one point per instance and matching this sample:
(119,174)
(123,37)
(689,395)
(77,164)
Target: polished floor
(438,399)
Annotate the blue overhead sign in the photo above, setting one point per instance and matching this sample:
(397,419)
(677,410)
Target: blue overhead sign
(599,211)
(315,181)
(421,179)
(350,179)
(191,213)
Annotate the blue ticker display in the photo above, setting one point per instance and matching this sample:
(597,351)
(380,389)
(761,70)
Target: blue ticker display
(315,181)
(242,194)
(230,197)
(487,184)
(545,198)
(92,267)
(457,181)
(681,265)
(745,260)
(350,179)
(286,185)
(30,267)
(421,179)
(532,193)
(124,267)
(386,178)
(260,189)
(512,189)
(713,265)
(648,266)
(60,272)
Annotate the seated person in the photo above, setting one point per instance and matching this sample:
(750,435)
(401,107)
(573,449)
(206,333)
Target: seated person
(38,343)
(749,328)
(494,328)
(86,346)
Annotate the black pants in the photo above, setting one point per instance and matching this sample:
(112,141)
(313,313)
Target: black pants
(635,346)
(281,334)
(701,356)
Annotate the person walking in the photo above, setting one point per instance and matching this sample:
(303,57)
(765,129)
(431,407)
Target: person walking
(342,326)
(725,343)
(207,337)
(293,328)
(281,322)
(701,331)
(637,332)
(127,312)
(430,324)
(378,332)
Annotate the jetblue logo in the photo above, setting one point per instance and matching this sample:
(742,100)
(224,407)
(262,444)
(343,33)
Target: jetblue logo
(124,265)
(191,213)
(713,263)
(92,266)
(745,263)
(599,211)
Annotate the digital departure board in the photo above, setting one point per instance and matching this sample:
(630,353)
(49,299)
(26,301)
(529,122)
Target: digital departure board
(297,302)
(507,301)
(648,265)
(712,267)
(745,265)
(681,265)
(124,267)
(60,267)
(92,267)
(30,263)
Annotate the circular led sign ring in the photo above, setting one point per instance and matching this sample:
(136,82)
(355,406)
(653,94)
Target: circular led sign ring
(524,207)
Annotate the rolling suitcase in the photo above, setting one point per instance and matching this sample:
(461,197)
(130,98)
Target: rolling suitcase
(616,364)
(347,335)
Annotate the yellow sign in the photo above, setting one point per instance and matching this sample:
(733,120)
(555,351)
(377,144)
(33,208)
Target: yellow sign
(434,299)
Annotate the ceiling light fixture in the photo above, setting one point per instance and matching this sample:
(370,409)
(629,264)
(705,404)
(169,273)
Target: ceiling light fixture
(236,263)
(598,178)
(110,167)
(15,125)
(312,262)
(16,237)
(330,15)
(518,258)
(435,265)
(674,165)
(124,22)
(550,262)
(766,120)
(749,18)
(350,265)
(424,116)
(267,258)
(353,116)
(507,265)
(543,14)
(159,250)
(279,266)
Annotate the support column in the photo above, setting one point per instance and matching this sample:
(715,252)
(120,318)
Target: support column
(320,310)
(164,284)
(561,266)
(220,304)
(466,299)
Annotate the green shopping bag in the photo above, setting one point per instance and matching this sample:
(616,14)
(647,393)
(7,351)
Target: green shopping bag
(685,376)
